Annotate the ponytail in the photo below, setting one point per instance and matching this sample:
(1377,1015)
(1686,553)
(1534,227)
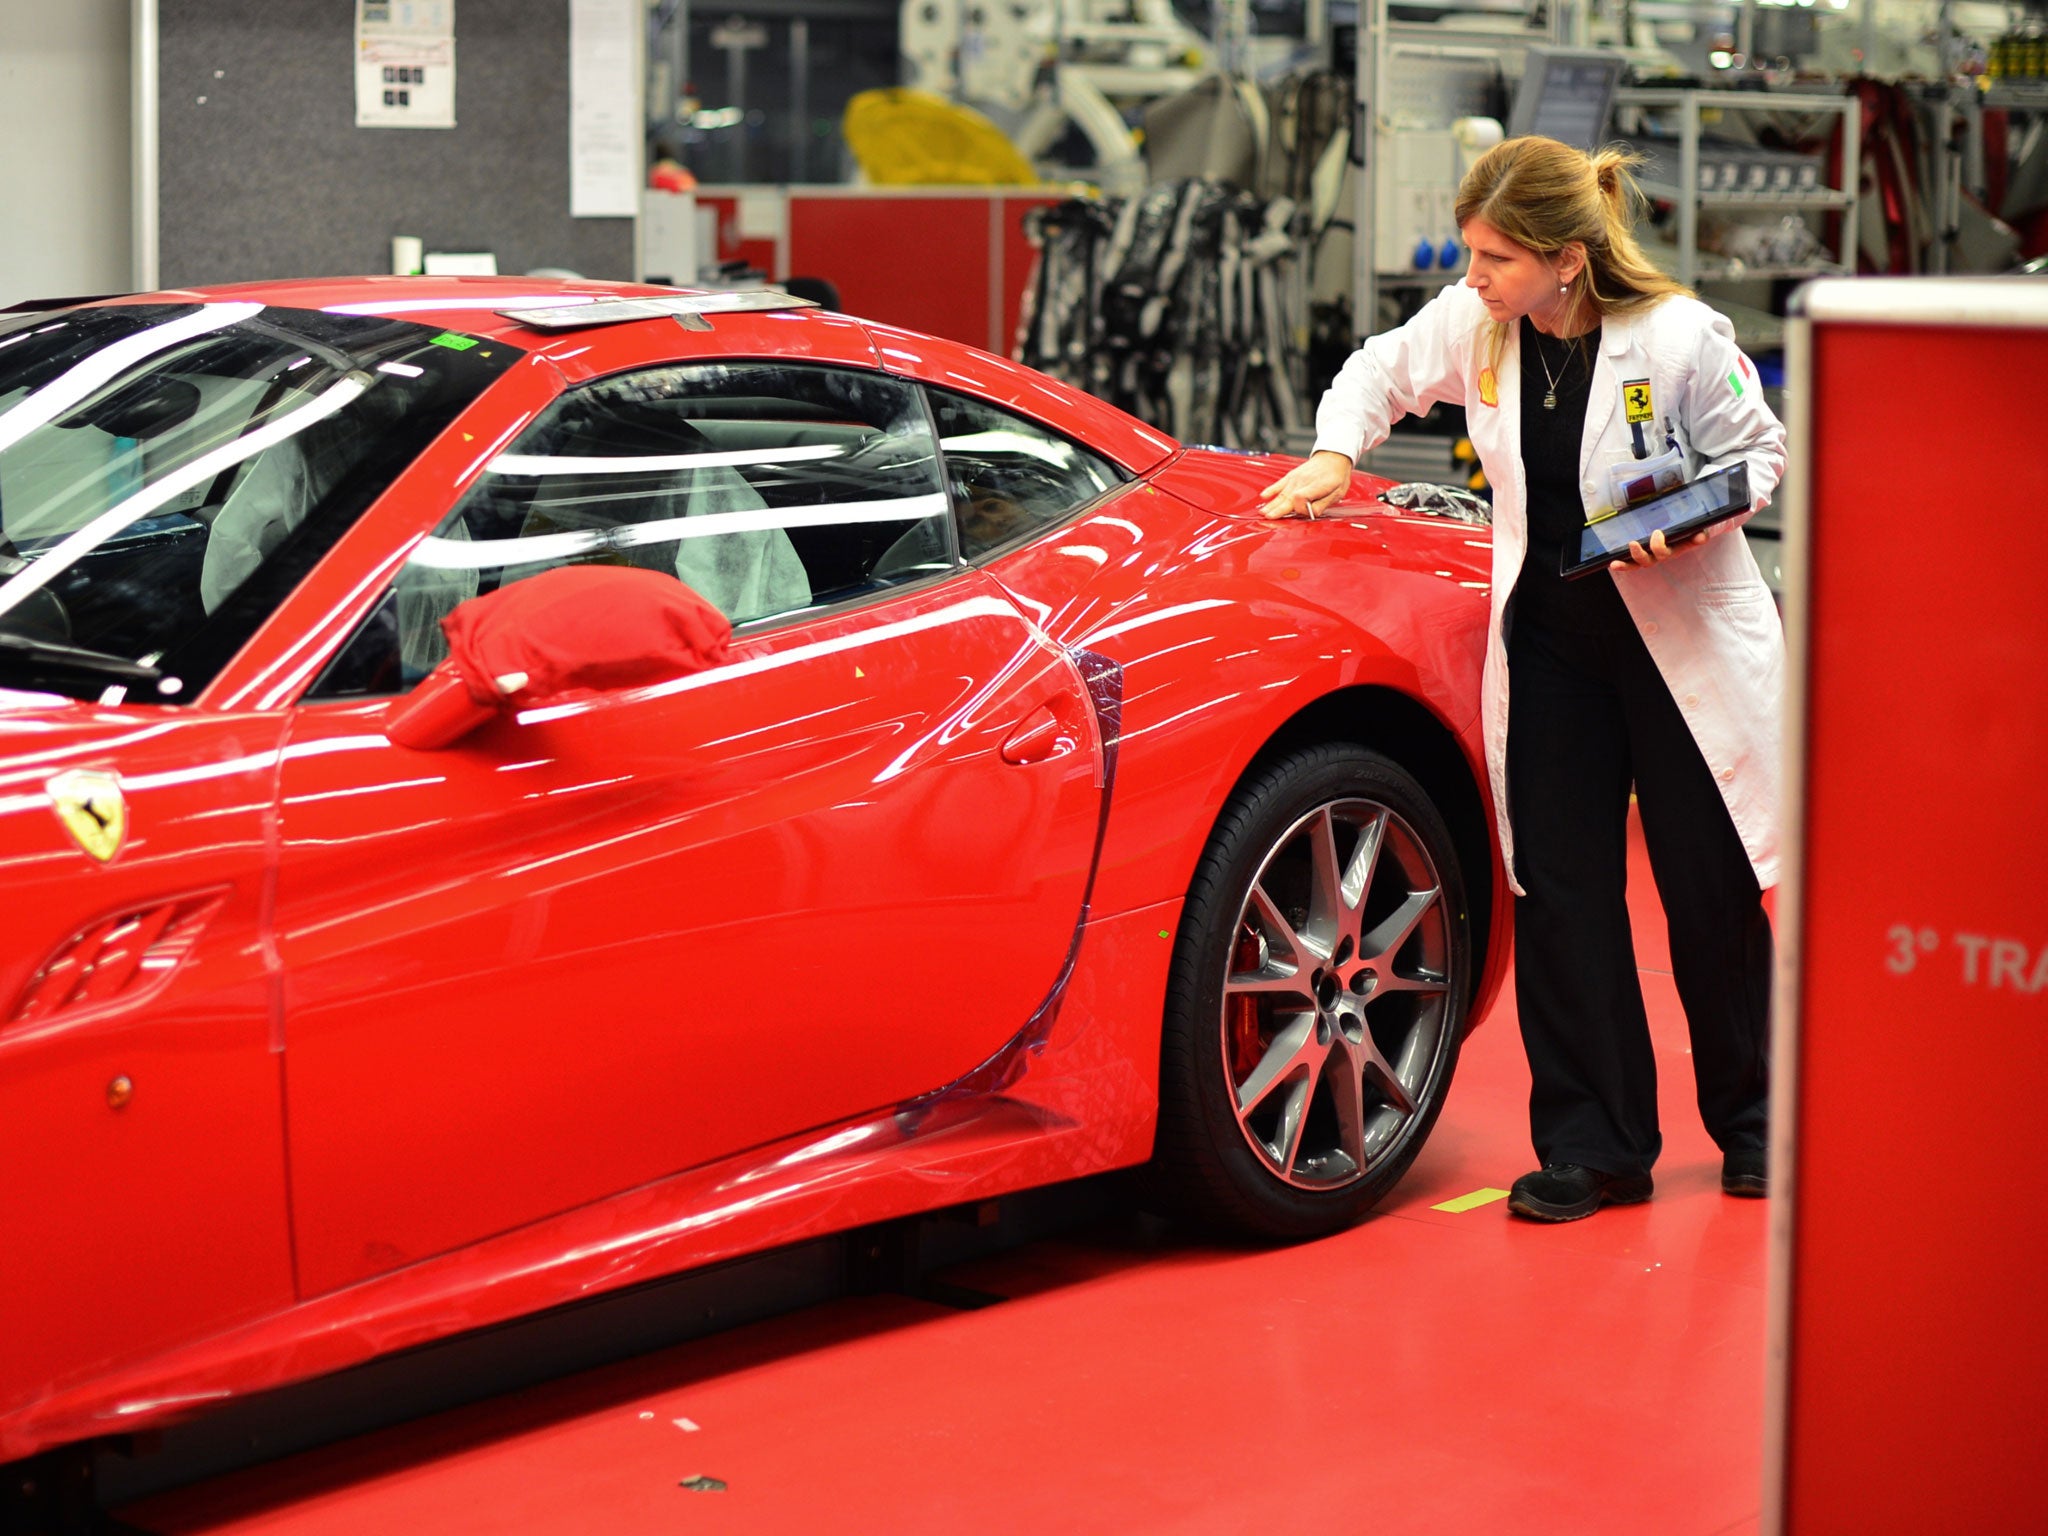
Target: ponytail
(1612,168)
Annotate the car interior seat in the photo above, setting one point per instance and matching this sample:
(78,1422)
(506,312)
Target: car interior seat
(744,573)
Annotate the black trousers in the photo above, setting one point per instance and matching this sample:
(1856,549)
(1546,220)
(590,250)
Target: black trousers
(1588,716)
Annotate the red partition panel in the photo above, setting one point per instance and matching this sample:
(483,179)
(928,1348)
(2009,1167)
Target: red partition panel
(1911,1307)
(951,262)
(915,260)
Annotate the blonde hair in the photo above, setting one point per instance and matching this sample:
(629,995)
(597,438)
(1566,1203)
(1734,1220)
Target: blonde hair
(1543,195)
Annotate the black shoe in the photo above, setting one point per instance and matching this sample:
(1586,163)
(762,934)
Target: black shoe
(1566,1192)
(1746,1171)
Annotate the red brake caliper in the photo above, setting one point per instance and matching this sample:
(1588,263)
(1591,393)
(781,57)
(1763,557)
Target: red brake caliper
(1241,1021)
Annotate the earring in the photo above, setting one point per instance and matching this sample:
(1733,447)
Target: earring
(1564,287)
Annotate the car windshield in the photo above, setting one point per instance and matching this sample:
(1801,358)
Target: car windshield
(169,472)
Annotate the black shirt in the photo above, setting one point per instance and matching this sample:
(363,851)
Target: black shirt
(1550,462)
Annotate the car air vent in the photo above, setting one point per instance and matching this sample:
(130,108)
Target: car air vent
(127,954)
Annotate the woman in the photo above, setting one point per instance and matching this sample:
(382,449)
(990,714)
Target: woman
(1572,354)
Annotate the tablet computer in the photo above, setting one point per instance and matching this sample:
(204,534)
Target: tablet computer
(1680,513)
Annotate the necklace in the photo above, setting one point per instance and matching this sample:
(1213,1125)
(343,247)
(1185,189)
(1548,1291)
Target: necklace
(1550,398)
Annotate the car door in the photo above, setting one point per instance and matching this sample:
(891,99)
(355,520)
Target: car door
(602,941)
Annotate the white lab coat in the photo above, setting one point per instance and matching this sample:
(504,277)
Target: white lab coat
(1705,614)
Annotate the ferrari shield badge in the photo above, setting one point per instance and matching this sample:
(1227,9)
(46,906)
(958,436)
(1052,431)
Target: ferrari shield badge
(93,810)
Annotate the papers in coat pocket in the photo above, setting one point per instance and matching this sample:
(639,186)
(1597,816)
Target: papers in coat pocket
(1632,480)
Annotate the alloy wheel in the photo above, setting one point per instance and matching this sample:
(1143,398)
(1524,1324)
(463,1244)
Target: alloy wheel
(1337,995)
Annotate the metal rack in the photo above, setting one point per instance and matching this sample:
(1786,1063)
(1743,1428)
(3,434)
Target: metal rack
(1689,263)
(1399,62)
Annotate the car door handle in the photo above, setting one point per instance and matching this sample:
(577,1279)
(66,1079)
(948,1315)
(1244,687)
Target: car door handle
(1037,739)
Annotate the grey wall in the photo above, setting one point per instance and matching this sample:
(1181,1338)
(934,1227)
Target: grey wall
(263,172)
(64,167)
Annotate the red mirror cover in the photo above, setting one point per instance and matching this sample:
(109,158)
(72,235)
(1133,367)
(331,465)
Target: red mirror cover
(573,628)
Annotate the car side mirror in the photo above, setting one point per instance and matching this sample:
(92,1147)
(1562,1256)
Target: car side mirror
(577,628)
(440,710)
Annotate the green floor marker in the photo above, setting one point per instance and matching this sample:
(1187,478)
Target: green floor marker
(1471,1202)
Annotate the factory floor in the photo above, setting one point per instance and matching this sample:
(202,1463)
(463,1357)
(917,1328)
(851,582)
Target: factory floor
(1440,1368)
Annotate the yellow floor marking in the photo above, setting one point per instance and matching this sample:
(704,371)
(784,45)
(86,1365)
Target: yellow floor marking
(1471,1202)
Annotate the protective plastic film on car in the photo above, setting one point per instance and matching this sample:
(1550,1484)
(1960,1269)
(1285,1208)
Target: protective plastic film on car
(770,490)
(168,472)
(1439,501)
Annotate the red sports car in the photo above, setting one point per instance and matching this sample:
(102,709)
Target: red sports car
(1043,811)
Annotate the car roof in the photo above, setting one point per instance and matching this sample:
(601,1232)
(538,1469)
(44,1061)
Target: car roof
(474,305)
(469,304)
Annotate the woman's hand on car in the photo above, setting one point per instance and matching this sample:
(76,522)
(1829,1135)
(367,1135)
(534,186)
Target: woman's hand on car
(1309,487)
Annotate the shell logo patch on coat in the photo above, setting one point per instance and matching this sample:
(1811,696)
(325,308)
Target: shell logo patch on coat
(93,810)
(1489,391)
(1635,400)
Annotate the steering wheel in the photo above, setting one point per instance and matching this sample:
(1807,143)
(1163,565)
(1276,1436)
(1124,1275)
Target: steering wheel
(39,616)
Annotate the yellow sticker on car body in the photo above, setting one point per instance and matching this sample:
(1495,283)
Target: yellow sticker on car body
(92,808)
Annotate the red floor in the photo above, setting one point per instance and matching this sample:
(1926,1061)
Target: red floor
(1429,1371)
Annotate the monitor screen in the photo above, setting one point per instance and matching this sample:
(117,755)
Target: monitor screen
(1565,94)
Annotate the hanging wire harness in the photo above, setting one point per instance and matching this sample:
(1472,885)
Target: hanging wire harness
(1174,305)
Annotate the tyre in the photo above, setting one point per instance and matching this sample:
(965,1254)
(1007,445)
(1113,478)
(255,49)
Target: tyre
(1318,991)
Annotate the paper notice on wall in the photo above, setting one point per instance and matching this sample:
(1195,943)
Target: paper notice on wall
(604,108)
(405,63)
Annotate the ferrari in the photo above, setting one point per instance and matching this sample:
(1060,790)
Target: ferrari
(513,789)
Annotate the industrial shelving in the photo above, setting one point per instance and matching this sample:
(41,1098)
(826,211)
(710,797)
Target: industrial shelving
(1689,264)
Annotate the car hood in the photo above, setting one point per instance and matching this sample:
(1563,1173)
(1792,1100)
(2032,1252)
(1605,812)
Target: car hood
(1229,483)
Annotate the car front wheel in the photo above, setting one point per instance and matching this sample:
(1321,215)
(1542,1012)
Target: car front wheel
(1317,995)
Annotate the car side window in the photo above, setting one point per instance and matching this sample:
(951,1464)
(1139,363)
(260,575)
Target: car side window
(770,489)
(1010,477)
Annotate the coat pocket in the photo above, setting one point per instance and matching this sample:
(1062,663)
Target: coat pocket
(1744,621)
(1733,596)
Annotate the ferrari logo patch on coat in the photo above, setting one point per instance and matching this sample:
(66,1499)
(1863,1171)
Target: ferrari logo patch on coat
(92,808)
(1635,401)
